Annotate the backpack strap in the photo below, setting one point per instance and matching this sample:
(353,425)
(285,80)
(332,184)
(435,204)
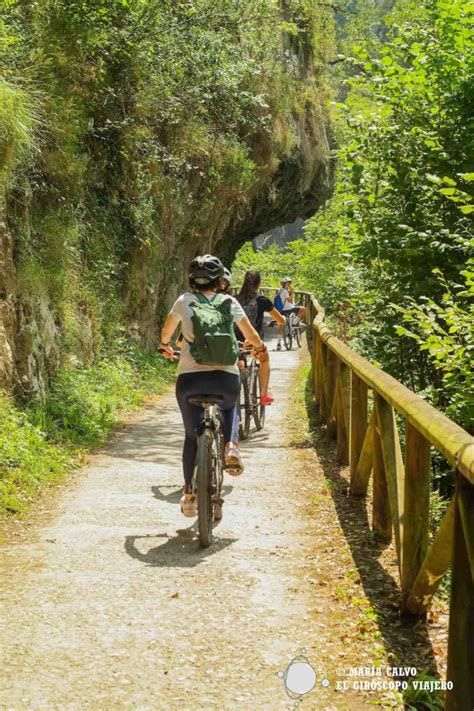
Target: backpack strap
(216,299)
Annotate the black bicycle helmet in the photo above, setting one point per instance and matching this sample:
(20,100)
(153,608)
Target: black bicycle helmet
(205,269)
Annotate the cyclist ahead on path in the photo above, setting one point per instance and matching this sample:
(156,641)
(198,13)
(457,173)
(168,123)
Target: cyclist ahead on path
(256,306)
(226,282)
(211,378)
(284,304)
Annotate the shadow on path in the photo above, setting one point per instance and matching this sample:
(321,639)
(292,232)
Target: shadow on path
(150,441)
(405,637)
(180,551)
(173,497)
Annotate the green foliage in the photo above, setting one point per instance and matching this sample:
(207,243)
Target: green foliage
(445,331)
(27,459)
(391,248)
(41,444)
(83,404)
(271,262)
(390,255)
(131,133)
(418,699)
(321,262)
(158,120)
(17,127)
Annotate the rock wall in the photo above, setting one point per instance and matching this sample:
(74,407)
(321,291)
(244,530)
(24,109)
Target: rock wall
(281,235)
(97,228)
(7,308)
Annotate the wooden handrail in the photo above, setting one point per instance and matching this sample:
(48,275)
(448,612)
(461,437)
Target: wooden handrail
(341,380)
(454,443)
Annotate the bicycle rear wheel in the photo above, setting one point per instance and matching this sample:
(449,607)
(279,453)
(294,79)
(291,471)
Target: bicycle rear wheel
(204,476)
(287,335)
(243,404)
(258,409)
(297,330)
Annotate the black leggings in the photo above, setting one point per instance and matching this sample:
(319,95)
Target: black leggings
(211,382)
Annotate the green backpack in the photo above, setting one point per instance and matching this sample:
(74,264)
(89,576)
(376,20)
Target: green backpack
(213,328)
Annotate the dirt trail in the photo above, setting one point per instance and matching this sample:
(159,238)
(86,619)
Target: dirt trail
(114,606)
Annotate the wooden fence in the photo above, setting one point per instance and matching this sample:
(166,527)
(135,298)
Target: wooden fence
(358,402)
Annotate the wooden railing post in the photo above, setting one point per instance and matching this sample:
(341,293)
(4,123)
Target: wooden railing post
(417,506)
(320,387)
(331,383)
(315,361)
(360,480)
(434,566)
(323,403)
(358,425)
(393,465)
(381,516)
(343,413)
(309,320)
(461,611)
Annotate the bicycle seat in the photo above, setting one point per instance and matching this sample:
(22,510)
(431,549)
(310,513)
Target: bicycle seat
(201,400)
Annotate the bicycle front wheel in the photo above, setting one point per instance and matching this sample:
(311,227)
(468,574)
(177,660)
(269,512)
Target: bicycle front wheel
(258,409)
(244,406)
(204,463)
(287,335)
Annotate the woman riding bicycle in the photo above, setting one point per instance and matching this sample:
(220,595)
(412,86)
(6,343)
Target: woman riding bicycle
(284,303)
(205,273)
(255,306)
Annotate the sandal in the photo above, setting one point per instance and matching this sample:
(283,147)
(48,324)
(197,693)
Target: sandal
(188,505)
(233,461)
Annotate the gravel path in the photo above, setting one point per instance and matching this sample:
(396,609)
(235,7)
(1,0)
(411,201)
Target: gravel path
(113,605)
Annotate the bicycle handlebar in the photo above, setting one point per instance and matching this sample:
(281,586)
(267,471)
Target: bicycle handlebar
(176,354)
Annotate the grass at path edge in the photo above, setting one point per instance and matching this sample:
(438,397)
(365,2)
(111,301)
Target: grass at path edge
(42,441)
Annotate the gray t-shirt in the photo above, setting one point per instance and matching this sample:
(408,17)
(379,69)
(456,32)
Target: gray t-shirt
(182,312)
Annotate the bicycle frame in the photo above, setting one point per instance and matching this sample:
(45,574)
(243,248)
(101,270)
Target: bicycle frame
(208,473)
(251,407)
(212,424)
(210,415)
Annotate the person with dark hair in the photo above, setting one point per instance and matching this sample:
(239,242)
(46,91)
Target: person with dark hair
(255,306)
(208,362)
(226,282)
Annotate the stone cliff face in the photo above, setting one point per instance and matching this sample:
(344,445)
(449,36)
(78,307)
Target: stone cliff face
(7,308)
(96,236)
(29,334)
(302,183)
(280,236)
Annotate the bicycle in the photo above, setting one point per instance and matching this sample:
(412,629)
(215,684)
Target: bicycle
(292,331)
(249,396)
(208,475)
